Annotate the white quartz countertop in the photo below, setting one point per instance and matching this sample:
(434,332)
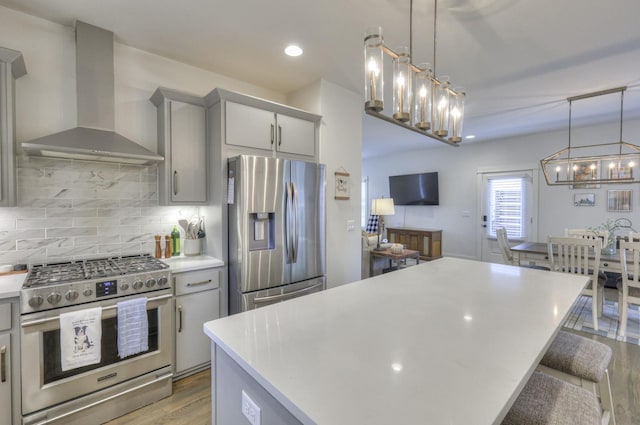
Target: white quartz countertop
(445,342)
(11,284)
(190,263)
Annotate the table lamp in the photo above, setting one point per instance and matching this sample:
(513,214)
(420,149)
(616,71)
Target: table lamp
(381,207)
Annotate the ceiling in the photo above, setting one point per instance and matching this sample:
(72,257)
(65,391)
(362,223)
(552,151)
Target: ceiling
(518,60)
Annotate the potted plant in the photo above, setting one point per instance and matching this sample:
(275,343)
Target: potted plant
(610,226)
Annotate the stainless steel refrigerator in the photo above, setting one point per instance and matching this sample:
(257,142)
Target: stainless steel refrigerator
(276,230)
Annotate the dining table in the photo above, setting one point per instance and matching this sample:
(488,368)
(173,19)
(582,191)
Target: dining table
(450,341)
(537,254)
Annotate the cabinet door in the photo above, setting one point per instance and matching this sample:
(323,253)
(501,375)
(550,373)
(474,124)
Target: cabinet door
(188,153)
(192,311)
(296,136)
(5,379)
(249,127)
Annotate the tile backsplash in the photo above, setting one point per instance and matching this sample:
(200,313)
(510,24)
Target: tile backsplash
(69,209)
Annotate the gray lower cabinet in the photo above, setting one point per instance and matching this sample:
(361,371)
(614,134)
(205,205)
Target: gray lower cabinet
(197,300)
(182,140)
(9,363)
(11,67)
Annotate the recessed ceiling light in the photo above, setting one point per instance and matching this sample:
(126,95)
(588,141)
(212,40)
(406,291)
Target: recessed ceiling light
(293,50)
(471,136)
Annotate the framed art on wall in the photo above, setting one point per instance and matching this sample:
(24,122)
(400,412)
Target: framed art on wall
(584,199)
(341,185)
(619,200)
(584,171)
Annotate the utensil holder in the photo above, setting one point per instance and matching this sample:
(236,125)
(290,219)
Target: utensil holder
(192,247)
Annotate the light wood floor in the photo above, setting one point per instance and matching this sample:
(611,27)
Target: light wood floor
(190,403)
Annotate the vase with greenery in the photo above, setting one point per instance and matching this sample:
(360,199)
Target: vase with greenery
(609,246)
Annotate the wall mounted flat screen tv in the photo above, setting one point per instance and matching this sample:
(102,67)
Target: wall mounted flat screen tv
(414,189)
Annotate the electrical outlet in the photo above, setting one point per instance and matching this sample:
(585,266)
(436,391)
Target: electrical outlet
(250,409)
(351,225)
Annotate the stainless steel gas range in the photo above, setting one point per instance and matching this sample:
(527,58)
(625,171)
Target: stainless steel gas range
(54,394)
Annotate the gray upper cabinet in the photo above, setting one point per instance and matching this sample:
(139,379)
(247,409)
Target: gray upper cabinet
(252,125)
(11,67)
(183,177)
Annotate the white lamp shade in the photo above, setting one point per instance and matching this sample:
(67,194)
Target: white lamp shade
(382,206)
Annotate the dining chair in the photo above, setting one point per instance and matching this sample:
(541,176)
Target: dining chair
(546,399)
(584,362)
(505,247)
(580,256)
(629,285)
(587,234)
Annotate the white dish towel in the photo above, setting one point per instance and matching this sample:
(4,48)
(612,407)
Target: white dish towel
(133,327)
(80,338)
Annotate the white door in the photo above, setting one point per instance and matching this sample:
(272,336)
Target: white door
(508,199)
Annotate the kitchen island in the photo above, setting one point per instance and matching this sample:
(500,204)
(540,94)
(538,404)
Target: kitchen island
(449,342)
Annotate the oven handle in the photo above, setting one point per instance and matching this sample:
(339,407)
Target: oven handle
(111,397)
(111,307)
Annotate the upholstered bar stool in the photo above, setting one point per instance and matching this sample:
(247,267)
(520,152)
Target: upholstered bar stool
(549,400)
(584,362)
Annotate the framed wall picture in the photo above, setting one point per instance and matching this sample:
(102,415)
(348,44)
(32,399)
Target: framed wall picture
(584,199)
(584,171)
(619,200)
(342,185)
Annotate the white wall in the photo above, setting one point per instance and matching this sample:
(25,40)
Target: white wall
(458,169)
(340,148)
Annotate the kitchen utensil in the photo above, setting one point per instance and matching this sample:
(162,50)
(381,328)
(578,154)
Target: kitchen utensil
(184,224)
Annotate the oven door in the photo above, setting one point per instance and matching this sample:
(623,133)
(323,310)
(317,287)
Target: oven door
(44,384)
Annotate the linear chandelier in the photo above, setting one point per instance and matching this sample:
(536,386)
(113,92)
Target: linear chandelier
(588,165)
(421,102)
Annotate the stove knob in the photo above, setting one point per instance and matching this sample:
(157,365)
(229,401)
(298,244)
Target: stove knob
(150,282)
(36,301)
(124,286)
(162,281)
(54,298)
(138,284)
(87,292)
(71,295)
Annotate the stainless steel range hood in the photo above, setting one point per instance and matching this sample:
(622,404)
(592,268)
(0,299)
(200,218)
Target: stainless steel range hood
(94,139)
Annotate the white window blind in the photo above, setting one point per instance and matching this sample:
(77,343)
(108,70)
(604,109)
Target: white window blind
(507,206)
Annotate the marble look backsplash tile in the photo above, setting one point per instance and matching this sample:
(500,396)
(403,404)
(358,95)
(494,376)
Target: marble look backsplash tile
(69,209)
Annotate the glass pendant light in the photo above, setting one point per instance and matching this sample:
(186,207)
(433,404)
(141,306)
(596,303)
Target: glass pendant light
(402,85)
(422,97)
(441,108)
(456,115)
(373,77)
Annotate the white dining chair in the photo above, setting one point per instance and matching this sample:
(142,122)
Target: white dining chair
(587,234)
(505,247)
(629,285)
(582,257)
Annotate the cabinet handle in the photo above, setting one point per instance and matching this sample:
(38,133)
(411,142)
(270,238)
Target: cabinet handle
(272,129)
(175,182)
(204,282)
(279,135)
(3,364)
(179,318)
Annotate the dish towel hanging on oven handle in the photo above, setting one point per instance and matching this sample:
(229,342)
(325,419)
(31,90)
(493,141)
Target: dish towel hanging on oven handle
(133,327)
(80,338)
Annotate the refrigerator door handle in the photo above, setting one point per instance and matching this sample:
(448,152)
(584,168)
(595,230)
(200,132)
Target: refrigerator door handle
(287,295)
(296,234)
(287,226)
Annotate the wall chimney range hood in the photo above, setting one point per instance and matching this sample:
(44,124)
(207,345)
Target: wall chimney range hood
(94,139)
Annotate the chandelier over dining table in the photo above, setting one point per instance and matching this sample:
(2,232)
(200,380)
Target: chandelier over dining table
(421,101)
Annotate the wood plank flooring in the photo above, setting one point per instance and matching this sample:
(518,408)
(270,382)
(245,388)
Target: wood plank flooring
(190,403)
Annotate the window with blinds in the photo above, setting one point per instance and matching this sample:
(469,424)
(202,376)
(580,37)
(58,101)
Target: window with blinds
(507,206)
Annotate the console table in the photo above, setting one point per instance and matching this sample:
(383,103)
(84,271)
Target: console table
(407,253)
(427,241)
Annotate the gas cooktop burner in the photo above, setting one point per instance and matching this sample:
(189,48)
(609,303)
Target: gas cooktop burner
(50,274)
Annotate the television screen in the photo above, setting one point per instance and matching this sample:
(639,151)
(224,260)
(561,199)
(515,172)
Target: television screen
(414,189)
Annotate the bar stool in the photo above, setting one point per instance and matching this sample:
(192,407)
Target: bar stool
(549,400)
(583,362)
